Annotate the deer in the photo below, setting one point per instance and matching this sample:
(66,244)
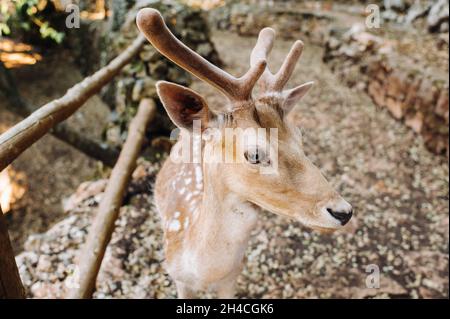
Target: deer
(209,207)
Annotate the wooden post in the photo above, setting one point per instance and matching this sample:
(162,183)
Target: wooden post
(10,284)
(102,227)
(22,135)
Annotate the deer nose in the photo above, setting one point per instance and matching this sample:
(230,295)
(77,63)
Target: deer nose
(341,215)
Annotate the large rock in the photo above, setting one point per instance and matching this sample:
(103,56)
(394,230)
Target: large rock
(438,16)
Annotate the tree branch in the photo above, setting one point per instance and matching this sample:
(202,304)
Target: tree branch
(103,225)
(18,138)
(62,131)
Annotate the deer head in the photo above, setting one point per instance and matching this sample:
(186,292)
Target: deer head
(294,187)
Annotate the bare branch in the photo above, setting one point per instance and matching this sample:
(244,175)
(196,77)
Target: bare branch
(18,138)
(103,225)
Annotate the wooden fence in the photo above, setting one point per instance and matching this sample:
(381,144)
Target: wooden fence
(21,136)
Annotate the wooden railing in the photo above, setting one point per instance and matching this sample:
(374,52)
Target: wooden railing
(22,135)
(10,284)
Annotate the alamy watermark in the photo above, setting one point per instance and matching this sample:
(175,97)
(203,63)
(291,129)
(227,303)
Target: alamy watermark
(258,146)
(73,17)
(373,19)
(373,279)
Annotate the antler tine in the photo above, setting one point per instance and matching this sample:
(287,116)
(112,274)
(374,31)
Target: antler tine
(288,66)
(261,51)
(152,25)
(270,81)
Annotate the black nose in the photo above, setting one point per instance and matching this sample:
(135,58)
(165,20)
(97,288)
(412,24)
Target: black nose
(343,217)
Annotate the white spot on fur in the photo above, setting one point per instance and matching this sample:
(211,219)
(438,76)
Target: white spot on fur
(176,215)
(174,225)
(196,193)
(198,175)
(186,223)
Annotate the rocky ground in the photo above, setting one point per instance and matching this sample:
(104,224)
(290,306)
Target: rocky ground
(399,191)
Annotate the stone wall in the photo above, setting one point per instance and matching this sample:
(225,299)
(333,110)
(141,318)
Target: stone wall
(412,88)
(425,14)
(289,19)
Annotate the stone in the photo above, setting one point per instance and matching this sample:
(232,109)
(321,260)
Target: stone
(395,107)
(427,95)
(417,10)
(149,88)
(439,13)
(290,22)
(205,49)
(411,94)
(376,92)
(415,122)
(114,135)
(44,264)
(397,5)
(144,87)
(377,71)
(442,106)
(333,43)
(158,69)
(396,86)
(179,76)
(83,192)
(444,27)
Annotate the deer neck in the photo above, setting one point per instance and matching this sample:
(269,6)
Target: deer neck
(225,219)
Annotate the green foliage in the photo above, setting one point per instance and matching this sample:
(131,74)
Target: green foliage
(32,17)
(4,16)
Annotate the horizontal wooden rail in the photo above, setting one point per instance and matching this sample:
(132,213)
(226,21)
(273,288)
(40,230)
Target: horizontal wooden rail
(102,227)
(22,135)
(76,138)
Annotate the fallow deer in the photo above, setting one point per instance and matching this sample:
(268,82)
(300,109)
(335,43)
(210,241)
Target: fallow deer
(209,207)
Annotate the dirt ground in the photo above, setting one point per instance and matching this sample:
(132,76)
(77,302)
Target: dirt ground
(398,189)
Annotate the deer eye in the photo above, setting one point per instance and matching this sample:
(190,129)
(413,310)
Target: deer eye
(256,156)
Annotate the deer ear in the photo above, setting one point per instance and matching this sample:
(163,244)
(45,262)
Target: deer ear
(292,96)
(182,104)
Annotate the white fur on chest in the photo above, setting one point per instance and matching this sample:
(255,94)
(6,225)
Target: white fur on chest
(225,245)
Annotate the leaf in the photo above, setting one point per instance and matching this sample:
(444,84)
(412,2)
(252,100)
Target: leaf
(4,29)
